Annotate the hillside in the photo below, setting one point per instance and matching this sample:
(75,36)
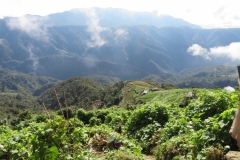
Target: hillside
(88,94)
(217,76)
(166,129)
(12,81)
(21,91)
(79,92)
(16,90)
(28,91)
(201,77)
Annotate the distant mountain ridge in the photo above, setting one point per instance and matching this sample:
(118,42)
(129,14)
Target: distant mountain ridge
(144,50)
(89,48)
(115,17)
(109,17)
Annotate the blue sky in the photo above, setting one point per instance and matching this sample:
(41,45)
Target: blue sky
(206,13)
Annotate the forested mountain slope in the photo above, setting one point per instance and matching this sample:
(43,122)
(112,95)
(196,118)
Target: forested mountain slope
(126,52)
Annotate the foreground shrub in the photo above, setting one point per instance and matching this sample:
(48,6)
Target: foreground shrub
(145,115)
(201,130)
(210,104)
(84,116)
(145,121)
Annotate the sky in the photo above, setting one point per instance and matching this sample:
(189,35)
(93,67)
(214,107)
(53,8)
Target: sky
(206,13)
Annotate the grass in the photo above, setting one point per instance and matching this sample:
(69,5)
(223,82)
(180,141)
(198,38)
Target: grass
(141,83)
(149,96)
(173,95)
(132,91)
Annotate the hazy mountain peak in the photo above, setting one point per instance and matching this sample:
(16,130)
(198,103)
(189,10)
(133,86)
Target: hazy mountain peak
(109,17)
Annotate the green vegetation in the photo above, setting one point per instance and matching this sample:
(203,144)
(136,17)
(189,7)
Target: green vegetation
(102,117)
(203,77)
(161,126)
(82,92)
(16,91)
(80,118)
(200,131)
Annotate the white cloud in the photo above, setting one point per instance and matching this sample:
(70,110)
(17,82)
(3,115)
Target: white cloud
(121,36)
(94,29)
(231,51)
(33,57)
(30,25)
(197,50)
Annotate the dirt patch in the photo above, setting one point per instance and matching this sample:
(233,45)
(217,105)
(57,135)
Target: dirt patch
(141,83)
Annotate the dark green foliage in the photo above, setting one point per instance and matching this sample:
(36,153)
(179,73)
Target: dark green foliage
(12,81)
(114,120)
(74,91)
(209,104)
(82,92)
(16,92)
(84,116)
(112,94)
(198,131)
(67,113)
(23,116)
(13,103)
(101,114)
(39,91)
(41,118)
(167,86)
(94,121)
(145,115)
(201,130)
(208,77)
(146,121)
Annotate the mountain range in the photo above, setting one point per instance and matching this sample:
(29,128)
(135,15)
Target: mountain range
(110,42)
(109,17)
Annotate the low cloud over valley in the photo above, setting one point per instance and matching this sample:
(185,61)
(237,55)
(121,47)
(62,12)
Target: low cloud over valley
(231,51)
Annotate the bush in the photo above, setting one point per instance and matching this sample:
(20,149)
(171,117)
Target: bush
(210,104)
(41,118)
(84,116)
(94,121)
(145,115)
(67,113)
(146,121)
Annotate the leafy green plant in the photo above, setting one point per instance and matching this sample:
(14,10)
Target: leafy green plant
(145,121)
(84,115)
(201,130)
(145,115)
